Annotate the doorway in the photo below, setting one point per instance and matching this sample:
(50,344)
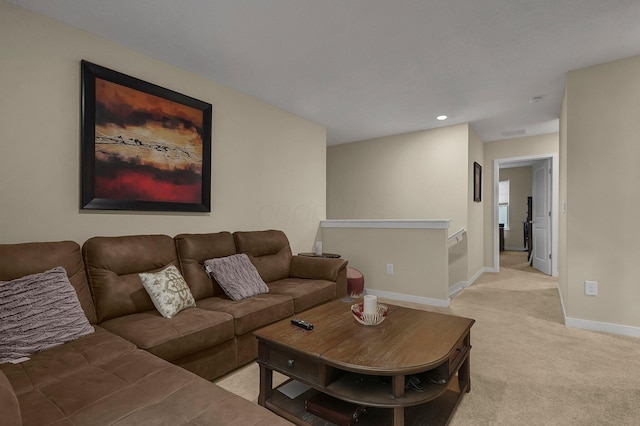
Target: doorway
(544,212)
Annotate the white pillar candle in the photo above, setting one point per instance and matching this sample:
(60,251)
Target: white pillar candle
(370,304)
(318,248)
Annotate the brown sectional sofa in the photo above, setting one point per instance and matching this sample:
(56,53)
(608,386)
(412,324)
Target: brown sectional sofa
(296,283)
(128,370)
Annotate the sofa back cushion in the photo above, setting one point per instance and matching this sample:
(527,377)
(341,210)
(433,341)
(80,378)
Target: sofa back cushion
(269,251)
(113,265)
(19,260)
(193,250)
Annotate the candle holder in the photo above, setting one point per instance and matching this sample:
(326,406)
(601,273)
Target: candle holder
(369,319)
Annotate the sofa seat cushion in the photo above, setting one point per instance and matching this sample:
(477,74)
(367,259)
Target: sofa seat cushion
(305,293)
(253,312)
(190,331)
(194,401)
(101,379)
(99,347)
(9,405)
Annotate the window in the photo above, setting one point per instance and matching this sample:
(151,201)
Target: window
(503,203)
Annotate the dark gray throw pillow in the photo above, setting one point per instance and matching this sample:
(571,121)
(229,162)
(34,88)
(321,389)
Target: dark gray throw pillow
(38,312)
(236,275)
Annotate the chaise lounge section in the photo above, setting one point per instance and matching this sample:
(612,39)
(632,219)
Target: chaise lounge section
(128,371)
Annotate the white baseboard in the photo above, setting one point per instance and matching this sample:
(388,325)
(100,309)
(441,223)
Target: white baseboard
(456,288)
(607,327)
(564,311)
(409,298)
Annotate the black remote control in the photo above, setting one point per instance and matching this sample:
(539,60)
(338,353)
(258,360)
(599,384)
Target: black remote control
(302,324)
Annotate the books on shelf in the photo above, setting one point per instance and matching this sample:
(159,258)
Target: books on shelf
(335,410)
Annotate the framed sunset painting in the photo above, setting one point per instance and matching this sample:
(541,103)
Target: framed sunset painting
(143,147)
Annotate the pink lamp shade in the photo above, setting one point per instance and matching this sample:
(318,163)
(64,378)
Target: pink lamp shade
(355,282)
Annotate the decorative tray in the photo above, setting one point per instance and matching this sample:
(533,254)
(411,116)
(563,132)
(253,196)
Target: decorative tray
(369,319)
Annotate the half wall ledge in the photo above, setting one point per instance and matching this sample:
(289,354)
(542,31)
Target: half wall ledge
(387,223)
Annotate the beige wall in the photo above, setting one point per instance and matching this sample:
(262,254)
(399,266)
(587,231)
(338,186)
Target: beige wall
(602,125)
(519,189)
(508,148)
(419,258)
(268,166)
(419,175)
(475,211)
(563,258)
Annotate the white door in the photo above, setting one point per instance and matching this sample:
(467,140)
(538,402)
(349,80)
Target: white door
(541,228)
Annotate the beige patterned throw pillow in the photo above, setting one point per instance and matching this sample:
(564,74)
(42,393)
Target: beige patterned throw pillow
(168,291)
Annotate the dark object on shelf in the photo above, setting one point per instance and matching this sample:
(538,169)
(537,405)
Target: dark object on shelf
(413,382)
(502,237)
(335,410)
(329,255)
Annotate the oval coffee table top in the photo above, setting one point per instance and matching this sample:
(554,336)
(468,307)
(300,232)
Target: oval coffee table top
(407,341)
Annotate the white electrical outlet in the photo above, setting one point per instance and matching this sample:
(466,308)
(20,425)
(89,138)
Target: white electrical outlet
(390,268)
(591,288)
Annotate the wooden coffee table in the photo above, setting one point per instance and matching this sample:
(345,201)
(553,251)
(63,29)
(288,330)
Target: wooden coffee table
(367,365)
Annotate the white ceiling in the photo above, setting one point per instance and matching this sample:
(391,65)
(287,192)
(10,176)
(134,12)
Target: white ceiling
(370,68)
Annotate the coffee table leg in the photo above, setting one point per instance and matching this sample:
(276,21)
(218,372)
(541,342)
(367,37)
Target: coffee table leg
(266,385)
(464,373)
(397,384)
(398,416)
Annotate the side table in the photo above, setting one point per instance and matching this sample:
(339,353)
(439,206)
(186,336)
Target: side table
(327,255)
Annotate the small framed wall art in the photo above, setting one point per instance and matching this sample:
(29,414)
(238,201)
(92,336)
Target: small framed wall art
(477,182)
(143,147)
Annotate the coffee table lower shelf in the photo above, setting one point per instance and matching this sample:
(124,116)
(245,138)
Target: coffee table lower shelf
(368,366)
(436,412)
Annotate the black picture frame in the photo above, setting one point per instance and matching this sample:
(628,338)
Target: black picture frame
(477,182)
(143,147)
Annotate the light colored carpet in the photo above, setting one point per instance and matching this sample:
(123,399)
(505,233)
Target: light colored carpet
(527,368)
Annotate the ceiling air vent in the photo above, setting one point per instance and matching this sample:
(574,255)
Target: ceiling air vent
(512,133)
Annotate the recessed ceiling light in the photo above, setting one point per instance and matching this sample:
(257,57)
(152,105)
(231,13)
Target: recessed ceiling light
(441,117)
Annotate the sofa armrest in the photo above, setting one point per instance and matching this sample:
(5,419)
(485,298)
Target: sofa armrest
(321,268)
(318,268)
(9,406)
